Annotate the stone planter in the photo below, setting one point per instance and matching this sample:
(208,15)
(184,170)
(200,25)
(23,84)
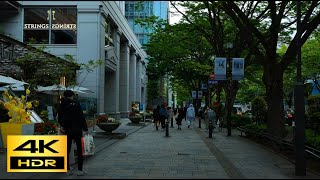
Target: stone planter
(135,120)
(15,129)
(108,127)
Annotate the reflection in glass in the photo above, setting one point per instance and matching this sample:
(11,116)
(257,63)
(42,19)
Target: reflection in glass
(63,37)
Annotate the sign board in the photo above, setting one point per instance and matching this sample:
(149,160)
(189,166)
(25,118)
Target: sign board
(220,68)
(204,86)
(194,94)
(237,68)
(212,82)
(199,94)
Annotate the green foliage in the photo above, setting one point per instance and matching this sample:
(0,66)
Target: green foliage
(152,89)
(239,120)
(313,112)
(259,107)
(312,139)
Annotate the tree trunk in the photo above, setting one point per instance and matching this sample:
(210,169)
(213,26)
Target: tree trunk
(273,79)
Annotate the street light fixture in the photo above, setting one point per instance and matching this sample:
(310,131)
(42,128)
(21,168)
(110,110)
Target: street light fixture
(229,79)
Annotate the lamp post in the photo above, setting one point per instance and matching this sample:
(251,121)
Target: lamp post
(229,89)
(300,161)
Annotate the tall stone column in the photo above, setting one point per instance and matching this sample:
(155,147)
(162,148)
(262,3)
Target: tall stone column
(112,81)
(124,78)
(132,78)
(138,80)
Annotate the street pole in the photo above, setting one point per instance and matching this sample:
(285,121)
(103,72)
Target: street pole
(229,79)
(300,161)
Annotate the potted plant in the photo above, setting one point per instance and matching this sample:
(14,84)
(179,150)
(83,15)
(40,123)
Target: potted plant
(107,124)
(135,117)
(19,122)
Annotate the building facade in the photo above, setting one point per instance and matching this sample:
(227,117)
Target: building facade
(147,9)
(86,30)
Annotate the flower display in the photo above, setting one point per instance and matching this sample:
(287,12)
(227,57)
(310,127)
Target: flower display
(17,107)
(106,119)
(46,128)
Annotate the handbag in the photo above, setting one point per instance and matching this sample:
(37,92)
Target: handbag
(88,146)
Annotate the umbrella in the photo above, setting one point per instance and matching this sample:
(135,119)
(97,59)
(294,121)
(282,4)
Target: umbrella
(55,89)
(79,88)
(14,87)
(5,80)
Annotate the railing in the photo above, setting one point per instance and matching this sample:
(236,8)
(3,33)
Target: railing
(309,150)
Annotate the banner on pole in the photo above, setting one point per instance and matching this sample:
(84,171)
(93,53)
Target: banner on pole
(220,68)
(237,68)
(194,94)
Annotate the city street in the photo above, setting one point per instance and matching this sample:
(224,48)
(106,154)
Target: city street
(187,154)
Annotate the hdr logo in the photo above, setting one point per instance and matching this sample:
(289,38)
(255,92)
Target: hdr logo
(37,153)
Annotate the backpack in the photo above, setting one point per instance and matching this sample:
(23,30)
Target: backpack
(163,113)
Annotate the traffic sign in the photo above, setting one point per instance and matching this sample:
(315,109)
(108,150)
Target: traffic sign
(211,76)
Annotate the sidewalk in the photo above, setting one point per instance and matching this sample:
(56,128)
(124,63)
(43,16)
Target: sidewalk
(187,154)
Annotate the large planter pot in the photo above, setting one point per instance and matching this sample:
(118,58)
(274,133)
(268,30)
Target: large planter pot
(108,127)
(135,120)
(15,129)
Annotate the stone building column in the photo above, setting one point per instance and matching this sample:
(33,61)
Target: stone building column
(112,81)
(138,80)
(124,78)
(132,78)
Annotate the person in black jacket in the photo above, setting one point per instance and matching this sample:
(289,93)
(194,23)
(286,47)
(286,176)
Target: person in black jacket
(73,123)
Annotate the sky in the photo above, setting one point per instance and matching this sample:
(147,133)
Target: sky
(174,17)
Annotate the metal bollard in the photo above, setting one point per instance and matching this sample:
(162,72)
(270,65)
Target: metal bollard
(210,129)
(172,122)
(167,127)
(199,122)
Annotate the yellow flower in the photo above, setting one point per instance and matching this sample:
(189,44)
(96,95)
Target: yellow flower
(29,105)
(27,91)
(23,97)
(10,97)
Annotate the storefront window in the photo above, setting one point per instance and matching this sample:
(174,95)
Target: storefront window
(50,25)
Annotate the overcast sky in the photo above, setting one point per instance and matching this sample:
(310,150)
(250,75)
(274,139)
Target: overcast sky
(174,18)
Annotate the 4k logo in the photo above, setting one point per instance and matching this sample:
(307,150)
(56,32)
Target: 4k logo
(37,153)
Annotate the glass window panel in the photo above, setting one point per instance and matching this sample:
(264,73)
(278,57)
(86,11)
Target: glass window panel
(39,36)
(36,16)
(64,15)
(63,37)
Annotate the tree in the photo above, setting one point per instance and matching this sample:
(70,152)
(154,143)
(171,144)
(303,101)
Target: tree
(268,23)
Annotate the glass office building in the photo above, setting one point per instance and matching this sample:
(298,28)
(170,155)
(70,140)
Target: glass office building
(148,8)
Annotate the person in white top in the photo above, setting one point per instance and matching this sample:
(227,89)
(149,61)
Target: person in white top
(191,116)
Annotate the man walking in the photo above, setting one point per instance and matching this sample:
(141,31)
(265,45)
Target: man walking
(72,121)
(191,116)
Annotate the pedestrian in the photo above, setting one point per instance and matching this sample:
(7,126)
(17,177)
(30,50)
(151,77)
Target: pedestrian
(163,116)
(72,120)
(210,116)
(181,115)
(156,117)
(190,115)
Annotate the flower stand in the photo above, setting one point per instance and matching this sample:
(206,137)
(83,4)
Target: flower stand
(15,129)
(108,127)
(135,120)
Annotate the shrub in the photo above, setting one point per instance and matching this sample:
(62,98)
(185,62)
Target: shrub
(313,112)
(259,107)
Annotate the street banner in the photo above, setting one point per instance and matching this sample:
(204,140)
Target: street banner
(237,68)
(199,94)
(220,68)
(194,94)
(204,86)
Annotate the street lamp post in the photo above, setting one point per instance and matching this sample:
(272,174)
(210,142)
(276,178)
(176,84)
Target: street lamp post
(300,161)
(229,89)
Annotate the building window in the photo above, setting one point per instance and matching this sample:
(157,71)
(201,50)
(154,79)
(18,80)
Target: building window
(50,25)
